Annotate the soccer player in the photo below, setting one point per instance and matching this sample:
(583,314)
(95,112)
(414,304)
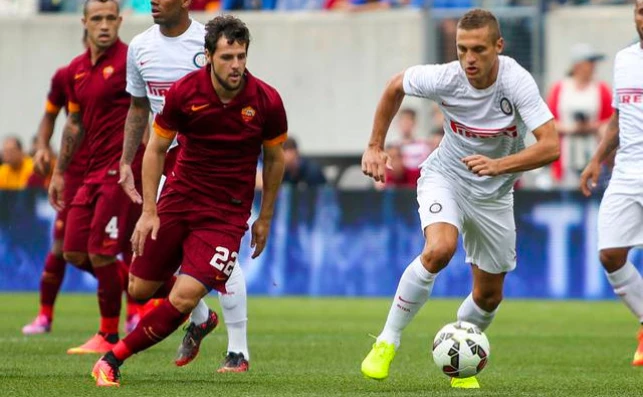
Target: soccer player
(100,213)
(54,270)
(620,215)
(466,186)
(224,116)
(157,58)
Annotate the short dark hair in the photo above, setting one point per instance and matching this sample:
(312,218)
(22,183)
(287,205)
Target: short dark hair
(15,140)
(290,144)
(86,4)
(479,18)
(409,112)
(228,26)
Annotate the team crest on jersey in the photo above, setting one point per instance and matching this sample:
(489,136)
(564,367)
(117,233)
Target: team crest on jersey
(107,72)
(506,107)
(200,60)
(248,113)
(435,208)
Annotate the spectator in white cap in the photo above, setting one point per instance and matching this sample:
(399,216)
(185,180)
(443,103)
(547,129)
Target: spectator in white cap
(581,105)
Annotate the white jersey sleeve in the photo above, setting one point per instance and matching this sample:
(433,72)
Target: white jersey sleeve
(423,80)
(135,82)
(533,110)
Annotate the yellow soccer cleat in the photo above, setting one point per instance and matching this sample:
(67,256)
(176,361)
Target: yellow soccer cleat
(377,362)
(465,383)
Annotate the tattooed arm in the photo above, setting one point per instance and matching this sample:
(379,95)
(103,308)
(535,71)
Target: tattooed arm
(73,134)
(135,127)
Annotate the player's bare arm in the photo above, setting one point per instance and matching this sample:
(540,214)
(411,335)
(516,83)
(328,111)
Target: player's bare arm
(153,162)
(135,127)
(608,144)
(375,158)
(544,151)
(73,134)
(42,158)
(272,174)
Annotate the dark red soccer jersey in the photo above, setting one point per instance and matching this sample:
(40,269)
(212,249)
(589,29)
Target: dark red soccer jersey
(220,143)
(98,92)
(57,99)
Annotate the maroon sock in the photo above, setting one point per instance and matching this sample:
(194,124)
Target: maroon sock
(164,290)
(50,282)
(110,288)
(153,328)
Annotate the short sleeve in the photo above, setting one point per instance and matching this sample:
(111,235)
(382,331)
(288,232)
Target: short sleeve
(57,97)
(422,80)
(168,121)
(135,82)
(72,101)
(275,130)
(530,105)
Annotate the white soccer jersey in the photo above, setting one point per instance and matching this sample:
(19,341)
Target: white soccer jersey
(628,99)
(491,122)
(155,61)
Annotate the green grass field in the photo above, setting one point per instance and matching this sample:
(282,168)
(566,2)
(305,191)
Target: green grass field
(306,347)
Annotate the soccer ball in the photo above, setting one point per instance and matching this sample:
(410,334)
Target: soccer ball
(460,349)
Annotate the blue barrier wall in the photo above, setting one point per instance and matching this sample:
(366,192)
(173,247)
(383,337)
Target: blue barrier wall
(331,242)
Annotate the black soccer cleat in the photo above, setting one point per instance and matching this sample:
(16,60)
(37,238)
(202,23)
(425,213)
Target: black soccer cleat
(194,334)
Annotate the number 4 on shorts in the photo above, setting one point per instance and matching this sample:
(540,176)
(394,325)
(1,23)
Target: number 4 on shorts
(112,228)
(220,260)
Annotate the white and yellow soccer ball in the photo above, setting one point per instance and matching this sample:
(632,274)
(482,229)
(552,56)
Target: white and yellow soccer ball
(460,350)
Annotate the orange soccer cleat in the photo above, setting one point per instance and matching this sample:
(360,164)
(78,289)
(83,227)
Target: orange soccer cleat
(106,372)
(96,344)
(638,355)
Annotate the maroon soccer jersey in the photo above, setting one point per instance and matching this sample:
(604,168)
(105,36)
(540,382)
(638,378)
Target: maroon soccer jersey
(57,99)
(220,143)
(98,91)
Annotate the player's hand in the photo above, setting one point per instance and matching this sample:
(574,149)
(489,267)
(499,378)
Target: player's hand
(482,165)
(591,172)
(148,223)
(127,183)
(56,191)
(374,162)
(42,161)
(260,230)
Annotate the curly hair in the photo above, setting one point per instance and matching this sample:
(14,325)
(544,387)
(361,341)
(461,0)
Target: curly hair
(228,26)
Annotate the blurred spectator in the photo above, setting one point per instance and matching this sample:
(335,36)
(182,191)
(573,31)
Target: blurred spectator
(300,171)
(413,150)
(205,5)
(397,175)
(580,104)
(16,167)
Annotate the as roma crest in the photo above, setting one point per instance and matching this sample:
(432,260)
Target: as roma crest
(248,113)
(107,72)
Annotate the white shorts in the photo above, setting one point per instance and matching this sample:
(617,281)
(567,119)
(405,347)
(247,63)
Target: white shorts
(488,227)
(620,216)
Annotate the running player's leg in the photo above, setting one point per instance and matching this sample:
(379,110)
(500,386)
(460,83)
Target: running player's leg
(234,307)
(619,228)
(441,220)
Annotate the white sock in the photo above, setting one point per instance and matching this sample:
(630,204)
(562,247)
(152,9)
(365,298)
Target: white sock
(627,284)
(235,312)
(470,312)
(199,314)
(412,292)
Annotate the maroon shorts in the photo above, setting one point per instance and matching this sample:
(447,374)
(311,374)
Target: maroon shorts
(73,182)
(197,241)
(99,220)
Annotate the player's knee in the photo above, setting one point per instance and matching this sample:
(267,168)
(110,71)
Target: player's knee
(435,258)
(488,300)
(613,259)
(183,301)
(101,260)
(77,259)
(139,290)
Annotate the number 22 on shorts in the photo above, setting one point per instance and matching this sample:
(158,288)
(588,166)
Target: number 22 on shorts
(224,260)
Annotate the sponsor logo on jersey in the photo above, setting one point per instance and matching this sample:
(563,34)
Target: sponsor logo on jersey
(79,75)
(506,107)
(248,113)
(108,71)
(159,88)
(196,108)
(200,59)
(629,95)
(473,132)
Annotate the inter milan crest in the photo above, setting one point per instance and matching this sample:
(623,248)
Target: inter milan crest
(506,107)
(200,60)
(435,208)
